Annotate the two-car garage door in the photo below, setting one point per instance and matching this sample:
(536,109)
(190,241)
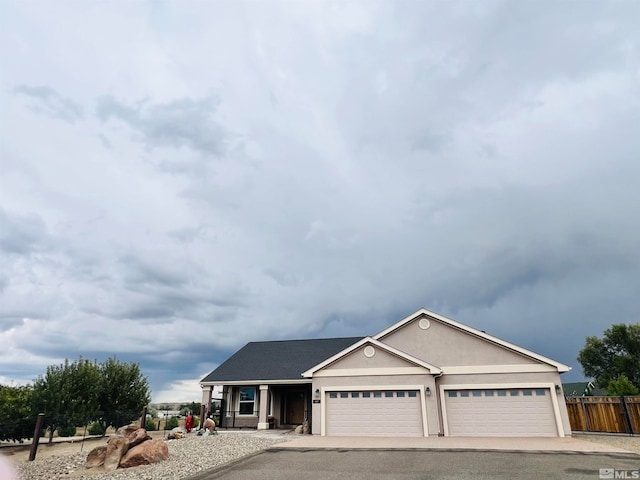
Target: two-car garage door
(518,412)
(374,413)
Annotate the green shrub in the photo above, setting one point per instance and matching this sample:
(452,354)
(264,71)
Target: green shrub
(66,431)
(95,429)
(196,422)
(149,425)
(172,423)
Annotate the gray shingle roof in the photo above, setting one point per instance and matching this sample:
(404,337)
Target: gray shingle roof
(278,360)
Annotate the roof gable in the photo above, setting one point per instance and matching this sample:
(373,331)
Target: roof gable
(373,342)
(516,350)
(276,360)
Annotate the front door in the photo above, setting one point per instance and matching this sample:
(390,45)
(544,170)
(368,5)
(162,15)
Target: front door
(294,412)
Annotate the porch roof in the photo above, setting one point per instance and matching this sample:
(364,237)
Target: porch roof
(277,360)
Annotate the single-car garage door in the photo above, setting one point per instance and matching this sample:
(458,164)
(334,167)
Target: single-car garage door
(500,413)
(374,413)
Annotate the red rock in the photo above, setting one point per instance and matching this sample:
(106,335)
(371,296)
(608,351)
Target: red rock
(96,456)
(136,437)
(127,430)
(116,448)
(151,451)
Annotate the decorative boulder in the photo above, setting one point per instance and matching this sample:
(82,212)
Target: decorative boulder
(298,430)
(96,457)
(127,430)
(151,451)
(137,437)
(116,448)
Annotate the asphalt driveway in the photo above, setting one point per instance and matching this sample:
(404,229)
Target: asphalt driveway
(340,464)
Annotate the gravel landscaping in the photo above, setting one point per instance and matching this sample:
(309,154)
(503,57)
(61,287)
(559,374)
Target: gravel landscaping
(187,456)
(626,442)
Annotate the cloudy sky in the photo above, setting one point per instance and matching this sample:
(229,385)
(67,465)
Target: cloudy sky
(180,177)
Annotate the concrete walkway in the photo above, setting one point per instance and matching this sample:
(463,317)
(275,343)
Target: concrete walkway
(507,444)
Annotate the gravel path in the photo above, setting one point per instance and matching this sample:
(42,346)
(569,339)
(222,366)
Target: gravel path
(626,442)
(187,456)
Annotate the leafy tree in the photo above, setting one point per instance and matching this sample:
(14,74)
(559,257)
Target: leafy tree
(96,429)
(49,397)
(622,386)
(67,395)
(123,392)
(616,354)
(193,407)
(172,422)
(16,419)
(149,425)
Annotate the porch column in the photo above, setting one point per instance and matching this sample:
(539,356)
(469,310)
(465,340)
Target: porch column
(206,396)
(263,421)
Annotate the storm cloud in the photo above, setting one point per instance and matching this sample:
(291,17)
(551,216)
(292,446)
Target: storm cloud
(180,178)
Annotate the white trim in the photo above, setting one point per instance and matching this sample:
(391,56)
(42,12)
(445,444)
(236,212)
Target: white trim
(502,386)
(258,382)
(360,372)
(432,368)
(517,368)
(423,311)
(364,388)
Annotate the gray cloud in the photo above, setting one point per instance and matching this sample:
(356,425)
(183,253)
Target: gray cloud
(21,234)
(369,160)
(188,123)
(51,103)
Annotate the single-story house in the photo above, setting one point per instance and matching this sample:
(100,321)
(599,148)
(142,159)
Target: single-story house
(426,375)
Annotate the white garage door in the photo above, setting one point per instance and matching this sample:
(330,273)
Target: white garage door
(375,413)
(500,413)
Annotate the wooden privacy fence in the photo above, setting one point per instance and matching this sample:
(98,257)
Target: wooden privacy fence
(604,414)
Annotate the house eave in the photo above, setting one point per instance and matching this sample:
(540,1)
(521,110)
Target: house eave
(255,382)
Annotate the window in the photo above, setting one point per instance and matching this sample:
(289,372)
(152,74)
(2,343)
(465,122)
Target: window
(502,393)
(413,394)
(464,393)
(488,393)
(388,394)
(400,394)
(355,394)
(452,394)
(377,394)
(526,393)
(366,394)
(344,394)
(247,401)
(540,393)
(515,393)
(333,395)
(477,393)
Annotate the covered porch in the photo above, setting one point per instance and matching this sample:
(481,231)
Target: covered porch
(264,405)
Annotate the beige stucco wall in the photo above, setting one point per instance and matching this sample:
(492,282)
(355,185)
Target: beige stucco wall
(444,345)
(381,359)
